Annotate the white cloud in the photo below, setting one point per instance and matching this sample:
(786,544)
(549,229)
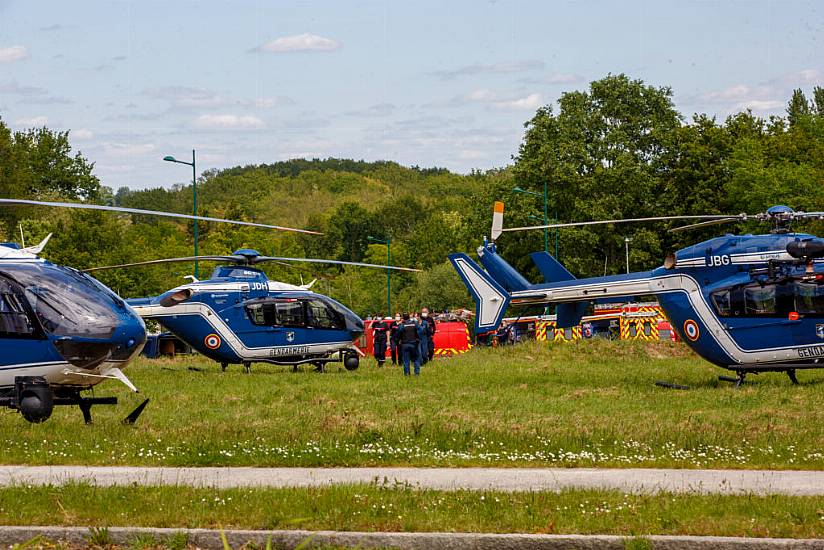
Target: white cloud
(186,96)
(491,68)
(228,122)
(33,122)
(82,134)
(767,97)
(128,149)
(266,102)
(481,95)
(762,105)
(13,87)
(299,43)
(471,154)
(529,102)
(13,53)
(737,92)
(562,78)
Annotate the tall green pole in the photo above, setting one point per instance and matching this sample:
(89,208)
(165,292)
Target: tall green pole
(194,209)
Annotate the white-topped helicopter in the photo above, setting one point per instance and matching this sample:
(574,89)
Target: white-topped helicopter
(747,303)
(62,332)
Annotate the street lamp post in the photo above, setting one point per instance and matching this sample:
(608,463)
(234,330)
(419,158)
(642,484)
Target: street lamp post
(388,243)
(627,240)
(546,213)
(170,158)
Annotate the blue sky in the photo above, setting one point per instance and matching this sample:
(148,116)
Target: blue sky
(446,83)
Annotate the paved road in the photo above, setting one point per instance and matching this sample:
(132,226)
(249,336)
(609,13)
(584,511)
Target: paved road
(211,539)
(636,480)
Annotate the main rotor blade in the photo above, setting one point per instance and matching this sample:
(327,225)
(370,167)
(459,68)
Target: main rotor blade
(705,224)
(815,215)
(626,220)
(171,261)
(258,259)
(151,213)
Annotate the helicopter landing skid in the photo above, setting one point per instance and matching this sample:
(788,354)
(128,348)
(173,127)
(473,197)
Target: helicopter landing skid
(670,385)
(791,374)
(738,380)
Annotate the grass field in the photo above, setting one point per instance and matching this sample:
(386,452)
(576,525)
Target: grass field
(377,508)
(591,403)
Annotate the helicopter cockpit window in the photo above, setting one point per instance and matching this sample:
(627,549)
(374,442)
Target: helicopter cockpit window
(759,300)
(13,318)
(809,298)
(321,316)
(774,300)
(290,314)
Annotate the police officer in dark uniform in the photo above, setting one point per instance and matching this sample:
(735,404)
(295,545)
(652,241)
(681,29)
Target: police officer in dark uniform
(428,324)
(379,333)
(409,339)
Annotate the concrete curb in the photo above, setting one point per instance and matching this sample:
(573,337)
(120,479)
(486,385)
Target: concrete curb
(630,480)
(210,539)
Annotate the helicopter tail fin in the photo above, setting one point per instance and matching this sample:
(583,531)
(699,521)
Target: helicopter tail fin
(552,270)
(497,220)
(490,297)
(38,248)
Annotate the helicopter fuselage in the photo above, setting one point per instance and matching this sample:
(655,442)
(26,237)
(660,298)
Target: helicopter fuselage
(741,302)
(61,332)
(239,316)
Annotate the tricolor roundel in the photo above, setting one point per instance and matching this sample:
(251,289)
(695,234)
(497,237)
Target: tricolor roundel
(212,341)
(691,330)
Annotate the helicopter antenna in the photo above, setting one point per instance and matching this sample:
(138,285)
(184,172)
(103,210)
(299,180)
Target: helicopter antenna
(84,206)
(22,238)
(39,248)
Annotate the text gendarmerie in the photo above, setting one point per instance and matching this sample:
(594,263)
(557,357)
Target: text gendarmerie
(817,351)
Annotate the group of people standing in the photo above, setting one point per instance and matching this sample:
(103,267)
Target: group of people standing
(410,339)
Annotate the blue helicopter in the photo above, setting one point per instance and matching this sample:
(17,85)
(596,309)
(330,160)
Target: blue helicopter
(746,303)
(239,316)
(62,332)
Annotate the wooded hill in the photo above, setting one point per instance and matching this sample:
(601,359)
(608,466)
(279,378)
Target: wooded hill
(618,149)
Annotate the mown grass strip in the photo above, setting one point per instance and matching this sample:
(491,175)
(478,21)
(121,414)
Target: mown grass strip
(592,403)
(388,508)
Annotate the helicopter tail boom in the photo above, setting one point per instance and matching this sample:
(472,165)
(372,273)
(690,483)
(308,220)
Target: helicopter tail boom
(491,299)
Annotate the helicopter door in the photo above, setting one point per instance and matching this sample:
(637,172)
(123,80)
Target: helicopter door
(14,320)
(283,320)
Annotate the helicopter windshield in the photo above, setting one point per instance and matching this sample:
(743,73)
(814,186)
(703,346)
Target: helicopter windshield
(67,302)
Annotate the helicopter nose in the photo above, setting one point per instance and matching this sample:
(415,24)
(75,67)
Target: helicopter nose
(129,337)
(126,341)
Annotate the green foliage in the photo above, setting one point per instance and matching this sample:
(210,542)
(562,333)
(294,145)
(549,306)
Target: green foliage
(617,149)
(99,537)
